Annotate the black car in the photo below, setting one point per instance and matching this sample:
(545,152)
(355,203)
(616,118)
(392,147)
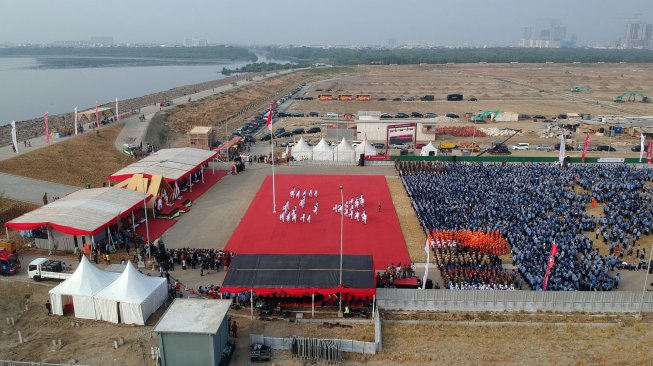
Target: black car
(401,115)
(430,115)
(452,115)
(396,99)
(298,131)
(283,114)
(539,116)
(386,116)
(249,138)
(313,114)
(499,150)
(605,148)
(638,148)
(266,137)
(298,114)
(567,147)
(314,130)
(416,115)
(308,98)
(382,99)
(279,131)
(473,99)
(285,134)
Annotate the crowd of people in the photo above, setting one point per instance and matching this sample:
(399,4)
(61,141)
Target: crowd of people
(464,268)
(393,272)
(534,205)
(289,215)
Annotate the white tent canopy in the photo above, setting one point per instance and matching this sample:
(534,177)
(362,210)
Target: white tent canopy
(301,150)
(322,151)
(131,298)
(344,151)
(86,281)
(428,148)
(172,164)
(365,148)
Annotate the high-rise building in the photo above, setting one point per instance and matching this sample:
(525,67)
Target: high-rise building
(195,42)
(638,35)
(547,33)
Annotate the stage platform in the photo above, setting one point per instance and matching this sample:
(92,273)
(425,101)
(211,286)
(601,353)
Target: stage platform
(261,232)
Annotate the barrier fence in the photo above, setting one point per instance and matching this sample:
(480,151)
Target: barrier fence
(513,301)
(514,159)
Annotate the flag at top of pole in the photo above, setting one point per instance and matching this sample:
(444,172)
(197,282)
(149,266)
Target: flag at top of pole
(269,124)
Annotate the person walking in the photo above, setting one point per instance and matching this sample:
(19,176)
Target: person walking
(234,329)
(48,307)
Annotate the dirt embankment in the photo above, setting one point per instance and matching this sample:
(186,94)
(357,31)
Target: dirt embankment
(89,158)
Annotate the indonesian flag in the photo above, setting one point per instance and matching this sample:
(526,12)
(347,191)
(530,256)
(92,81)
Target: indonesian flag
(587,145)
(641,147)
(269,122)
(47,128)
(554,251)
(649,153)
(562,148)
(97,116)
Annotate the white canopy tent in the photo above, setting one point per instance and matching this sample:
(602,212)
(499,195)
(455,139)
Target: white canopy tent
(322,151)
(301,150)
(173,164)
(344,151)
(131,298)
(428,148)
(78,290)
(366,148)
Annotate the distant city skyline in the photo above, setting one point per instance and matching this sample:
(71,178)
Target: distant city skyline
(297,22)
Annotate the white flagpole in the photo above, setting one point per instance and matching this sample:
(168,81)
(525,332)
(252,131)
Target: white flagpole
(75,121)
(117,115)
(14,140)
(274,197)
(641,147)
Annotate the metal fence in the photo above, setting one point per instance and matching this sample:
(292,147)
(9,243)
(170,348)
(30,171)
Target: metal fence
(346,345)
(513,301)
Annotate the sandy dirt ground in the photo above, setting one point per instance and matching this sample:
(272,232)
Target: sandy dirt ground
(89,158)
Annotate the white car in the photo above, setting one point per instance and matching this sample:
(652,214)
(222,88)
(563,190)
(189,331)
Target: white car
(521,146)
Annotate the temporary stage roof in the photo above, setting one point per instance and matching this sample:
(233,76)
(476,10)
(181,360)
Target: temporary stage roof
(86,281)
(172,164)
(300,274)
(87,211)
(131,298)
(156,186)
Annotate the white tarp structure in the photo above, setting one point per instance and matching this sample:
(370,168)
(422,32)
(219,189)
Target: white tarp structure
(428,148)
(344,152)
(322,151)
(507,117)
(78,290)
(301,150)
(131,298)
(365,148)
(172,164)
(87,211)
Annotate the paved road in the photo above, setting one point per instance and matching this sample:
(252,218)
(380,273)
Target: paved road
(31,190)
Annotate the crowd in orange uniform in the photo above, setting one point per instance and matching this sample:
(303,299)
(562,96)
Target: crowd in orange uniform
(486,242)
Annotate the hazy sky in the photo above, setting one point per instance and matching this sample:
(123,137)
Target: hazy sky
(451,22)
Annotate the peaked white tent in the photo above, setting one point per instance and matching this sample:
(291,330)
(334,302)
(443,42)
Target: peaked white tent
(322,151)
(301,150)
(365,148)
(131,298)
(428,148)
(344,152)
(78,290)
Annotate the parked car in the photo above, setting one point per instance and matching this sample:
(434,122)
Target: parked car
(521,146)
(410,99)
(379,145)
(543,147)
(401,115)
(430,115)
(396,99)
(416,115)
(399,146)
(298,114)
(567,147)
(382,99)
(279,131)
(266,137)
(452,115)
(249,138)
(386,116)
(298,131)
(605,148)
(473,99)
(499,150)
(285,134)
(638,148)
(313,114)
(581,147)
(314,130)
(539,116)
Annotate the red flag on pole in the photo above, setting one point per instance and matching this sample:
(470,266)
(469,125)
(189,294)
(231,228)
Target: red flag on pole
(649,153)
(269,122)
(97,116)
(554,251)
(47,128)
(587,145)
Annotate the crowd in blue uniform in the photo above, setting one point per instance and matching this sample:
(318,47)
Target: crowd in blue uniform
(533,205)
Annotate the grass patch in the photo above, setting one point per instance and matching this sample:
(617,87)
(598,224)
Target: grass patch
(89,158)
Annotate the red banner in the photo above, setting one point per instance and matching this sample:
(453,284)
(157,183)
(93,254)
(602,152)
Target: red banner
(554,251)
(649,152)
(47,128)
(587,146)
(377,157)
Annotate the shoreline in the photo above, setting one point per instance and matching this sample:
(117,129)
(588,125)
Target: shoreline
(31,128)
